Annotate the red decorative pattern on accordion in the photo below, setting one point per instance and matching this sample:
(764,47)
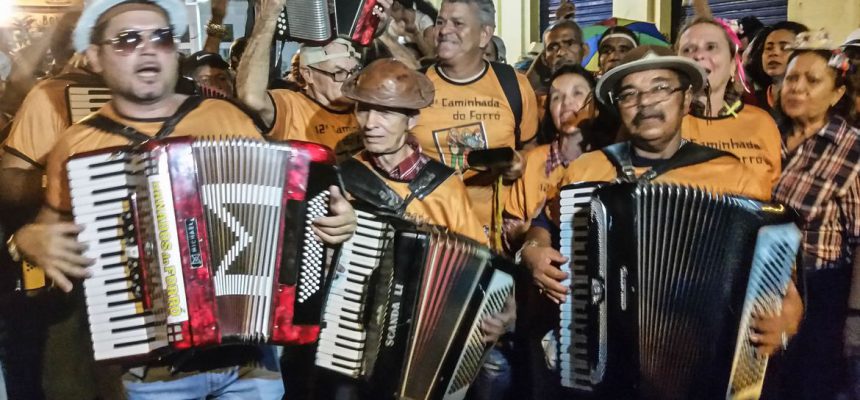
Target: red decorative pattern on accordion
(201,242)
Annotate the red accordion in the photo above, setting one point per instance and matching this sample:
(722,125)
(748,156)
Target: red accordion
(199,242)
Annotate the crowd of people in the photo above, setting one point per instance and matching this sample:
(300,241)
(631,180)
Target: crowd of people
(770,113)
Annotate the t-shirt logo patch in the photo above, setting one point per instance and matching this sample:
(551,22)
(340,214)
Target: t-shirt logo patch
(454,144)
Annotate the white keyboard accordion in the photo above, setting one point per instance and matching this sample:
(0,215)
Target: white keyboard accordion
(84,100)
(200,242)
(404,310)
(663,281)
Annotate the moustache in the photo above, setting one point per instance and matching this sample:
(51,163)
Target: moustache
(637,119)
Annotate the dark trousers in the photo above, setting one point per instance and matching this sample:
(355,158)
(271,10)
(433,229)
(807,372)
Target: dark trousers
(813,367)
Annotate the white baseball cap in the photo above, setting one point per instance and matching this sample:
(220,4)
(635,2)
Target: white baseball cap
(853,39)
(175,10)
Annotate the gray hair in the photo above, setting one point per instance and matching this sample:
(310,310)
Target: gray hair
(486,10)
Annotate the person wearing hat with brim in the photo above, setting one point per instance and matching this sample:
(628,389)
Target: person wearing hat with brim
(652,90)
(133,45)
(319,113)
(210,71)
(389,96)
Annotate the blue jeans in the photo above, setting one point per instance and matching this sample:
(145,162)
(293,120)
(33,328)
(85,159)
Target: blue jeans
(258,382)
(494,378)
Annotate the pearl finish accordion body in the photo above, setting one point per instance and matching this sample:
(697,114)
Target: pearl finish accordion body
(200,242)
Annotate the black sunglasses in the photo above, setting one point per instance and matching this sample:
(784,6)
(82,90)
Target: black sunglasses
(127,42)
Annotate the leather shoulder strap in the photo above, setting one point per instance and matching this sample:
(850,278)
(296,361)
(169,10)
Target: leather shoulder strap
(511,87)
(368,187)
(429,178)
(689,154)
(184,109)
(619,155)
(108,125)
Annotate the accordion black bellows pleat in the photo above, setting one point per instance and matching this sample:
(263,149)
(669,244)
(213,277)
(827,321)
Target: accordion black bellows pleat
(668,281)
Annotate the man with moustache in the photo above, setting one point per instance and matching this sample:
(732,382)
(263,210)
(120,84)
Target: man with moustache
(652,90)
(479,105)
(320,113)
(132,44)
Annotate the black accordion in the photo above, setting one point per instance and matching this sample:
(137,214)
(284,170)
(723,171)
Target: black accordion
(404,310)
(201,242)
(320,21)
(664,279)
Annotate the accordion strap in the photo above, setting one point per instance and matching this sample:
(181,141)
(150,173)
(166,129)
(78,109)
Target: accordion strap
(368,187)
(689,154)
(110,125)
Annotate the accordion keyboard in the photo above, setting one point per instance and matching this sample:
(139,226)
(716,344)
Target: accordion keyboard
(343,337)
(85,100)
(102,191)
(574,365)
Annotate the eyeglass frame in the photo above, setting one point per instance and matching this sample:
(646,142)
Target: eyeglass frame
(115,40)
(616,99)
(333,75)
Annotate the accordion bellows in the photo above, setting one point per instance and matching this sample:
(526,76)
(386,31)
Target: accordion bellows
(199,242)
(664,280)
(404,310)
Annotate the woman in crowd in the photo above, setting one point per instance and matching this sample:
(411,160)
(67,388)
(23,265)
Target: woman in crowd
(718,118)
(570,127)
(821,155)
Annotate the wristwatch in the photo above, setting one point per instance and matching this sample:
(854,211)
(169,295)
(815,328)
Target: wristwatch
(216,30)
(12,248)
(518,257)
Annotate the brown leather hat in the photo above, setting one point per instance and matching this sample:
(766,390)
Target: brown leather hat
(390,83)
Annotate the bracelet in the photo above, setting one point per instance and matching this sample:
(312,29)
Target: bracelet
(12,248)
(216,30)
(518,257)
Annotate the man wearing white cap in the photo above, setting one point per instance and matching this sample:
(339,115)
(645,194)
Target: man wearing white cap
(320,113)
(132,44)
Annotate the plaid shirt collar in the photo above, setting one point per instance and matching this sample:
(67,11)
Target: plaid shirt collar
(407,169)
(835,127)
(556,157)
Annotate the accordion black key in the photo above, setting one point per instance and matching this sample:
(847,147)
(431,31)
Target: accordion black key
(201,242)
(664,280)
(404,310)
(319,21)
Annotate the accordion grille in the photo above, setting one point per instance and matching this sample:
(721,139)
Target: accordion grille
(241,184)
(308,20)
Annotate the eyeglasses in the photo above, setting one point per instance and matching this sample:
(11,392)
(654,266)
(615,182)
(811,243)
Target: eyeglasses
(339,75)
(659,94)
(127,42)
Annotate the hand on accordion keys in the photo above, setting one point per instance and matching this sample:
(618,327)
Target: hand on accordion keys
(771,333)
(55,248)
(494,326)
(339,226)
(542,262)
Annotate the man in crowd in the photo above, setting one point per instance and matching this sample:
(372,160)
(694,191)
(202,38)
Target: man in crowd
(652,90)
(132,44)
(613,45)
(44,324)
(563,44)
(319,114)
(479,105)
(388,97)
(211,73)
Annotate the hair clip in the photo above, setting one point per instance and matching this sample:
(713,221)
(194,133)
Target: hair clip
(840,62)
(819,40)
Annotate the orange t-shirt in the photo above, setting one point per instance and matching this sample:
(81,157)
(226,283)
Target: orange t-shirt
(752,136)
(725,175)
(41,119)
(211,118)
(474,115)
(298,117)
(530,192)
(447,205)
